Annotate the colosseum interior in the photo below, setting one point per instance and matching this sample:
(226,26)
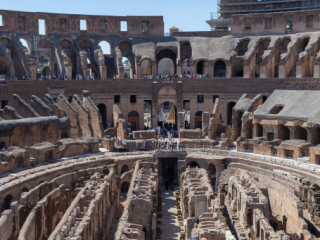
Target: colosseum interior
(82,157)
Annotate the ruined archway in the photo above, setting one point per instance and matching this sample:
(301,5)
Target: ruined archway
(124,169)
(281,48)
(103,112)
(168,54)
(193,164)
(242,47)
(202,67)
(4,69)
(262,47)
(166,67)
(6,203)
(127,58)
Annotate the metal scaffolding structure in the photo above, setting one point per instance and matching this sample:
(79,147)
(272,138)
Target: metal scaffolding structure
(227,8)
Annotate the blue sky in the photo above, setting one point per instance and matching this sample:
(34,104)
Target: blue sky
(187,15)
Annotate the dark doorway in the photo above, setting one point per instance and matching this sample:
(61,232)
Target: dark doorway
(220,69)
(169,170)
(6,203)
(229,112)
(103,111)
(125,187)
(133,126)
(124,169)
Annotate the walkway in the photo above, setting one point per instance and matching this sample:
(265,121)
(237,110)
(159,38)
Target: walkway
(169,223)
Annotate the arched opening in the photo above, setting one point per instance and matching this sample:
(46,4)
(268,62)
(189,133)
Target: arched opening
(126,67)
(238,67)
(274,225)
(230,106)
(193,164)
(88,61)
(145,232)
(125,188)
(71,59)
(43,43)
(105,47)
(24,43)
(202,67)
(103,112)
(146,68)
(242,47)
(167,115)
(186,66)
(259,130)
(127,58)
(171,65)
(301,133)
(220,69)
(315,187)
(281,49)
(198,120)
(263,46)
(44,67)
(186,51)
(124,169)
(24,190)
(133,120)
(284,132)
(35,135)
(166,67)
(6,203)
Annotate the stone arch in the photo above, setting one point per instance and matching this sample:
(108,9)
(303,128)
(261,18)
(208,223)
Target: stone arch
(284,132)
(52,133)
(35,134)
(202,66)
(193,164)
(25,189)
(242,47)
(44,65)
(219,68)
(167,53)
(25,43)
(125,187)
(105,46)
(259,130)
(263,45)
(167,91)
(212,168)
(103,112)
(43,43)
(315,187)
(146,66)
(125,48)
(280,48)
(66,43)
(18,136)
(167,113)
(6,203)
(124,169)
(238,67)
(85,44)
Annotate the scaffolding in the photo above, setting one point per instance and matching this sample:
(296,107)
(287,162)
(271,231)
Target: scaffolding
(227,8)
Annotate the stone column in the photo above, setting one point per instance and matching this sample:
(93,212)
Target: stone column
(299,70)
(138,71)
(282,72)
(121,72)
(316,70)
(229,71)
(263,70)
(103,72)
(179,68)
(69,72)
(181,120)
(312,135)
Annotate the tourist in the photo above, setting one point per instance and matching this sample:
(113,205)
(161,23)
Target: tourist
(159,145)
